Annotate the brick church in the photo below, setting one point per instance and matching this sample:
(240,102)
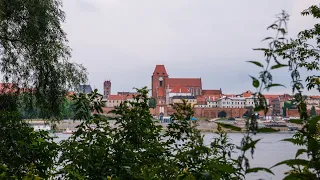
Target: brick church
(162,86)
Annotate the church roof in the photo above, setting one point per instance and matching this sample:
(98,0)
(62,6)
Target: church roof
(179,89)
(160,70)
(186,82)
(211,92)
(85,89)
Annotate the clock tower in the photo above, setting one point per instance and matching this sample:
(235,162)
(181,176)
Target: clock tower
(159,83)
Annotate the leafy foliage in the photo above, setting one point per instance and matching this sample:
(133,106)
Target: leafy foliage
(135,148)
(34,54)
(23,150)
(152,102)
(313,112)
(297,54)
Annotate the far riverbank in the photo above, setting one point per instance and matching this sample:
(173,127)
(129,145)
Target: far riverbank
(202,125)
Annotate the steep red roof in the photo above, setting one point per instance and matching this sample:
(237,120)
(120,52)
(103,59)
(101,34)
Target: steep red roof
(160,70)
(186,82)
(179,89)
(211,92)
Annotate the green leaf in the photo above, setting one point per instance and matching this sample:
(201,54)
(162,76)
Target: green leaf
(260,49)
(294,141)
(256,63)
(292,162)
(296,121)
(229,126)
(277,66)
(226,168)
(259,108)
(273,26)
(255,82)
(282,30)
(273,85)
(266,130)
(257,169)
(267,38)
(300,151)
(294,177)
(250,145)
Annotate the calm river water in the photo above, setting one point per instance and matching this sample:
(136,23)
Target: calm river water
(269,151)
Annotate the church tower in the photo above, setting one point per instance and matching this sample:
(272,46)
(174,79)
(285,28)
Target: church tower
(106,88)
(159,80)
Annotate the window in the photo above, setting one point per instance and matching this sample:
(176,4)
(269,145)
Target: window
(195,91)
(199,91)
(160,83)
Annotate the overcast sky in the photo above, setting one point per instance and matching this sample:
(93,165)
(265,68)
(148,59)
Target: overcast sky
(123,40)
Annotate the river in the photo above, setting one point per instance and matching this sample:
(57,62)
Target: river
(269,151)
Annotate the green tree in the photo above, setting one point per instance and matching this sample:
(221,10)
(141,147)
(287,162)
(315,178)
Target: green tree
(152,102)
(35,58)
(137,149)
(34,53)
(23,150)
(67,109)
(313,112)
(296,54)
(222,114)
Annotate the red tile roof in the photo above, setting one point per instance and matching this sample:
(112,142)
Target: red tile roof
(230,95)
(179,89)
(247,93)
(208,97)
(314,97)
(13,88)
(211,92)
(8,88)
(120,97)
(160,70)
(186,82)
(271,96)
